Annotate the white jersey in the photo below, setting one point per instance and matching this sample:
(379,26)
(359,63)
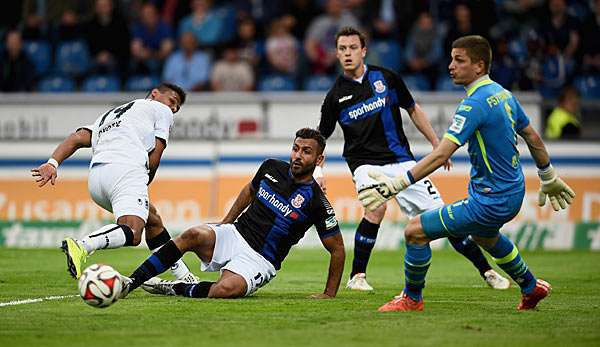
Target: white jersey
(126,134)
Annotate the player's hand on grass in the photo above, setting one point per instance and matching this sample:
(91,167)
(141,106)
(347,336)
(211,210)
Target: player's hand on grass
(555,189)
(44,173)
(320,296)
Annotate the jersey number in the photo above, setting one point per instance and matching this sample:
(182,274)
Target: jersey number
(118,112)
(430,188)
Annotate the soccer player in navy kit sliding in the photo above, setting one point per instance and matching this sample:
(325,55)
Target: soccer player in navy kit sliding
(488,119)
(365,101)
(283,202)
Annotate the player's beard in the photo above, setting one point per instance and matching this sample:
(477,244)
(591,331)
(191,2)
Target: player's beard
(304,170)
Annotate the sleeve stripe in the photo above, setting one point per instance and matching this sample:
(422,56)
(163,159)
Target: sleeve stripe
(452,138)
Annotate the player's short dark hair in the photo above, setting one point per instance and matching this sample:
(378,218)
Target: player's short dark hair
(309,133)
(165,86)
(350,31)
(478,49)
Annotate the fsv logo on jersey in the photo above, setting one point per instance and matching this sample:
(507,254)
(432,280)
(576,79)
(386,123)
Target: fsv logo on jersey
(272,200)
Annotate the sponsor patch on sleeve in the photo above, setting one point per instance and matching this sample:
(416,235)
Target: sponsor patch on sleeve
(458,123)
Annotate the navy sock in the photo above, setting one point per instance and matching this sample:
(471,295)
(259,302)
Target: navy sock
(471,251)
(158,240)
(195,290)
(364,241)
(507,256)
(416,264)
(156,264)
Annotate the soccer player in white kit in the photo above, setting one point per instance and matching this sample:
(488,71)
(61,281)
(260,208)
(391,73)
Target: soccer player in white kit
(127,144)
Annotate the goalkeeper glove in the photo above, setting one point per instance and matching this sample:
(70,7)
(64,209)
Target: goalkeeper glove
(559,193)
(384,188)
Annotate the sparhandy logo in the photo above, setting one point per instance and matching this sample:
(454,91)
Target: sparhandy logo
(273,201)
(364,108)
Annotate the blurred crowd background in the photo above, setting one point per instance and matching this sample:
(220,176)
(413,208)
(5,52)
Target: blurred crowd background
(242,45)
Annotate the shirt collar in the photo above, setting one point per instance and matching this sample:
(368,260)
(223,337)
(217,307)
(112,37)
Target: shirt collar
(359,79)
(481,81)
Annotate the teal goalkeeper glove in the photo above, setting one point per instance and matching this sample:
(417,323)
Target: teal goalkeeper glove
(559,193)
(384,188)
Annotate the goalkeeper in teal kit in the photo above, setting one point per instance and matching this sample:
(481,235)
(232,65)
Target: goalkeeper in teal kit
(488,120)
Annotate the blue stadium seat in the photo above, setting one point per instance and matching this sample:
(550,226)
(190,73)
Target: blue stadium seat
(141,83)
(40,54)
(72,58)
(319,83)
(56,84)
(416,82)
(276,83)
(386,54)
(588,86)
(101,84)
(444,83)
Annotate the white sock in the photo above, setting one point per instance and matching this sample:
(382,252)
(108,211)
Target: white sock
(181,271)
(109,236)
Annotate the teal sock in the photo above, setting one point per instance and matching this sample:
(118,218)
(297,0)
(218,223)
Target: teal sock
(416,264)
(509,259)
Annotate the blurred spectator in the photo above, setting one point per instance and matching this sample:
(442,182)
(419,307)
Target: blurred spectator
(70,27)
(152,41)
(173,11)
(532,68)
(297,15)
(505,70)
(389,19)
(108,39)
(424,48)
(556,69)
(249,48)
(188,67)
(560,28)
(17,72)
(231,74)
(282,49)
(562,122)
(209,25)
(262,12)
(40,17)
(519,15)
(319,42)
(10,15)
(460,25)
(590,41)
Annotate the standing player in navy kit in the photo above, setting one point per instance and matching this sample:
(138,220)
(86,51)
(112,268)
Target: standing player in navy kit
(283,202)
(365,101)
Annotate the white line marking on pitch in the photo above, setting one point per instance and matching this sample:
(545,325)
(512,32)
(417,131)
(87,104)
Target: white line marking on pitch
(31,301)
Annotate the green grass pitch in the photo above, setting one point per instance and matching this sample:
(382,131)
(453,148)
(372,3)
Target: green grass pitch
(459,309)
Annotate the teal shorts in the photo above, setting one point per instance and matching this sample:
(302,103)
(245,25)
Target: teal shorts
(477,215)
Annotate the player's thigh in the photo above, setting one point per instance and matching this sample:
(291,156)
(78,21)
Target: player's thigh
(457,219)
(229,285)
(99,185)
(361,178)
(419,197)
(253,268)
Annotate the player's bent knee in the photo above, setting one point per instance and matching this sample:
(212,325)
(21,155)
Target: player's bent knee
(226,290)
(192,238)
(414,232)
(376,216)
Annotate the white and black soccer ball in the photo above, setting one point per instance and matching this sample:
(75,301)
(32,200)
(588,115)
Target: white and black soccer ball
(100,285)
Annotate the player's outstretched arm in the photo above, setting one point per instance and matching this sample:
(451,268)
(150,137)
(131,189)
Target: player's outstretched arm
(335,245)
(47,172)
(245,197)
(421,122)
(552,187)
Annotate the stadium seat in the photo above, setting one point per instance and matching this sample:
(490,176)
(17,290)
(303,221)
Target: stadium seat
(276,83)
(588,86)
(141,83)
(101,84)
(318,83)
(386,54)
(56,84)
(445,84)
(39,53)
(416,82)
(72,58)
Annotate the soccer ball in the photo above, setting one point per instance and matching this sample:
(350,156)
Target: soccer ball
(100,285)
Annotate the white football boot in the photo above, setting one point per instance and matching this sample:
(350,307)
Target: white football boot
(495,280)
(157,285)
(125,286)
(359,282)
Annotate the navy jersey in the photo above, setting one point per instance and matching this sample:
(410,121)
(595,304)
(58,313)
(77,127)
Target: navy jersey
(369,115)
(282,211)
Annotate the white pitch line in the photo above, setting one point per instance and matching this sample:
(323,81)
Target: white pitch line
(31,301)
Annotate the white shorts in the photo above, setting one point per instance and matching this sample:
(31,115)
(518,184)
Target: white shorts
(233,253)
(417,198)
(120,189)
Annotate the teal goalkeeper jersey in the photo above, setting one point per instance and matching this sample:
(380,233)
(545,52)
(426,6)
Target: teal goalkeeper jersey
(488,119)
